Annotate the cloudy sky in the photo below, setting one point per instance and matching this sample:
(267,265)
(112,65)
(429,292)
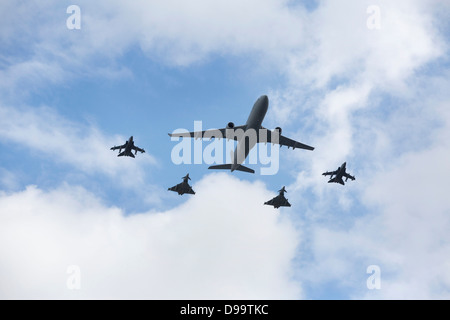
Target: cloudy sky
(364,82)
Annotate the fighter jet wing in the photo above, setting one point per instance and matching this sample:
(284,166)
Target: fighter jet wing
(278,202)
(138,149)
(118,147)
(269,137)
(329,173)
(182,189)
(348,176)
(217,133)
(189,190)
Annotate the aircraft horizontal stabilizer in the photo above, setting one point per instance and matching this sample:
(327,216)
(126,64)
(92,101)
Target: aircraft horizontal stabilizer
(245,169)
(228,167)
(221,166)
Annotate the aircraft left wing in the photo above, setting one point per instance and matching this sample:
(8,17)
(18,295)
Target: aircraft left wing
(329,173)
(348,176)
(222,133)
(269,137)
(138,149)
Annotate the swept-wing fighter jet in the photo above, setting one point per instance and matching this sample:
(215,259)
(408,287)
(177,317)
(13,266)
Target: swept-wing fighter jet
(339,174)
(251,133)
(128,147)
(183,187)
(279,200)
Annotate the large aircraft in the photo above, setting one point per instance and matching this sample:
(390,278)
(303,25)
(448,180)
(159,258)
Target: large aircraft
(128,147)
(248,135)
(183,187)
(279,200)
(338,174)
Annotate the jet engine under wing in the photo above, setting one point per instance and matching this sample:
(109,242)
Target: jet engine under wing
(222,133)
(269,137)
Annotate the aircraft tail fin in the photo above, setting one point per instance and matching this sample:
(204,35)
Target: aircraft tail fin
(228,167)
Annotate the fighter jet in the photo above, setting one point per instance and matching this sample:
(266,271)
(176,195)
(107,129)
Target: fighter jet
(338,174)
(279,200)
(247,137)
(128,147)
(183,187)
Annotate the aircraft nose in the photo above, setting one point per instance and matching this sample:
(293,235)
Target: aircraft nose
(264,99)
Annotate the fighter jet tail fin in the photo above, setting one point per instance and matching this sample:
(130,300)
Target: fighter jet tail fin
(228,167)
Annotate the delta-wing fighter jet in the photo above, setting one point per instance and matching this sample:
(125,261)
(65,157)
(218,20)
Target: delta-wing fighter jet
(183,187)
(336,176)
(128,147)
(246,136)
(279,200)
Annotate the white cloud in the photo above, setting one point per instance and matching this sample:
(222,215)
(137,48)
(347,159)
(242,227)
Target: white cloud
(230,248)
(175,32)
(400,212)
(308,47)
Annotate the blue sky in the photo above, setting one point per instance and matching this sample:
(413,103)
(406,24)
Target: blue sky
(376,98)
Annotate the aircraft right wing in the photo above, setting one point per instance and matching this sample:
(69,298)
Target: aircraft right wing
(222,133)
(329,173)
(270,137)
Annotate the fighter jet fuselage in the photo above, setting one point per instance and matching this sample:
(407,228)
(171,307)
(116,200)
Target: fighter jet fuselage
(338,175)
(128,148)
(254,122)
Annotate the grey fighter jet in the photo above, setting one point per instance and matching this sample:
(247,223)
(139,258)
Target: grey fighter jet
(336,176)
(279,200)
(183,187)
(128,147)
(246,136)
